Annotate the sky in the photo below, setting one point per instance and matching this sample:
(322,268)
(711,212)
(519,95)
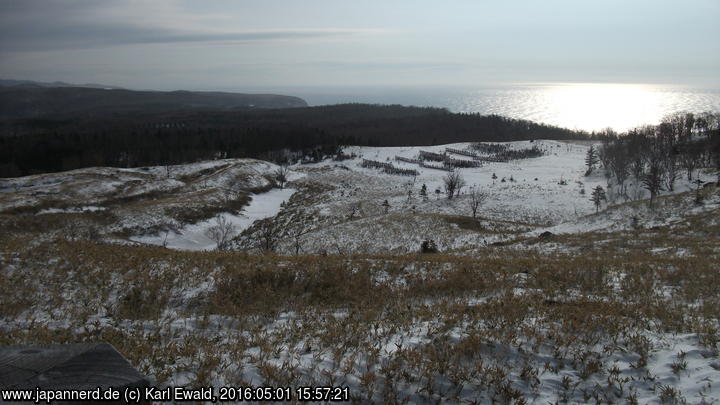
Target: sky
(255,44)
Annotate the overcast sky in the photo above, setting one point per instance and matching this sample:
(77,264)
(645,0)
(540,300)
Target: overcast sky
(236,44)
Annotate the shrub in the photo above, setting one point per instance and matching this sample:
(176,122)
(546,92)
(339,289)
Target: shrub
(428,246)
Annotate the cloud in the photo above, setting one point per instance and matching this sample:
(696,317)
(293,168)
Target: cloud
(30,25)
(136,43)
(51,37)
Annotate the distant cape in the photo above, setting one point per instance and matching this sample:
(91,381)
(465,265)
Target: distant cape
(32,100)
(34,84)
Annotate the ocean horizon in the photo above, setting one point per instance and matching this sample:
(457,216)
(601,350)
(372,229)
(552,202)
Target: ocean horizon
(583,106)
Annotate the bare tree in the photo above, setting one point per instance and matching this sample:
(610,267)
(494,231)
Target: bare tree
(165,239)
(297,238)
(453,184)
(281,175)
(608,134)
(652,179)
(221,233)
(689,160)
(477,198)
(619,163)
(670,169)
(269,233)
(603,157)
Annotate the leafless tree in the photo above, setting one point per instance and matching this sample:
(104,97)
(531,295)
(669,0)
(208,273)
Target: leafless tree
(454,182)
(340,244)
(604,151)
(652,179)
(165,239)
(477,198)
(670,169)
(221,233)
(281,175)
(297,238)
(619,164)
(269,235)
(689,160)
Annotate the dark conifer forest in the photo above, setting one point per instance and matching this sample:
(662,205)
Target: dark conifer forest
(64,142)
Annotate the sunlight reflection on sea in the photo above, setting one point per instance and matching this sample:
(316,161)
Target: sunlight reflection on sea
(590,106)
(586,106)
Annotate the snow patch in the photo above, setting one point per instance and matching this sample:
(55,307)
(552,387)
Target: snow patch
(193,237)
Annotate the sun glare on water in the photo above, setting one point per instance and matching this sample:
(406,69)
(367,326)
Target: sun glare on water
(596,106)
(591,106)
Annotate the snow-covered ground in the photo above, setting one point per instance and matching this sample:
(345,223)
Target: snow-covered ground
(535,192)
(194,237)
(340,206)
(627,217)
(430,332)
(100,185)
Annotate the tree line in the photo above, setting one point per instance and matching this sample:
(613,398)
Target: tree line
(49,144)
(656,156)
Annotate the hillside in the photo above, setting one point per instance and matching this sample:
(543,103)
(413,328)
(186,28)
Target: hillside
(35,84)
(536,299)
(68,102)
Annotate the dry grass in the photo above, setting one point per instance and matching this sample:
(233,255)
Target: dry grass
(398,329)
(503,324)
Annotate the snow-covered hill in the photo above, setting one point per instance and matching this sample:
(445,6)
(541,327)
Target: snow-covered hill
(340,206)
(539,298)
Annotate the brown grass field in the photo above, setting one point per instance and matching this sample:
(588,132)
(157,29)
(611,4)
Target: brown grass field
(606,322)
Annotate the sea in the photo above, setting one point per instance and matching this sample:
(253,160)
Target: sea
(584,106)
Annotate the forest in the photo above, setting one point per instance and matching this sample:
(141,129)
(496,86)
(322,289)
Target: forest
(51,143)
(656,156)
(30,101)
